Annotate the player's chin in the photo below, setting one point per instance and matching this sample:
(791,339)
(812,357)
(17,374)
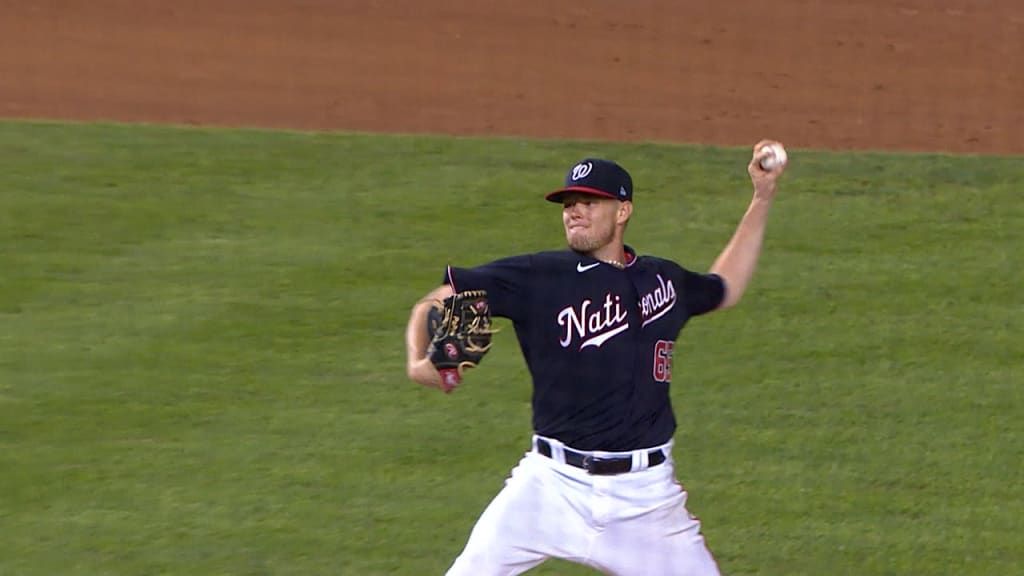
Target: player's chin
(580,242)
(573,237)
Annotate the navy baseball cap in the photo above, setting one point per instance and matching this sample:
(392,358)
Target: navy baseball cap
(598,177)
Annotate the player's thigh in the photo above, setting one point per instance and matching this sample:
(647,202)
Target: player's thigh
(669,556)
(664,542)
(520,528)
(500,544)
(478,562)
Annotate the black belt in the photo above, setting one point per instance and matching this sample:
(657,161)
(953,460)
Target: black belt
(603,466)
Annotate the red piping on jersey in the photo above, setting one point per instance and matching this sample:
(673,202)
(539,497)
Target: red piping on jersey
(630,256)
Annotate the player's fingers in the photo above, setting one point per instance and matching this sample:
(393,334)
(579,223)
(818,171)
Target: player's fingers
(761,149)
(767,143)
(755,160)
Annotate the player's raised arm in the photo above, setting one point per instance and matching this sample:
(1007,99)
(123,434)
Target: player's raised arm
(417,365)
(737,262)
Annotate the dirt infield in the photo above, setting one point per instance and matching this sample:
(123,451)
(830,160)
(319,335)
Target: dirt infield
(942,75)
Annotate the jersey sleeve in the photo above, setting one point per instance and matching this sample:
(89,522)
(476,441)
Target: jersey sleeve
(505,281)
(701,293)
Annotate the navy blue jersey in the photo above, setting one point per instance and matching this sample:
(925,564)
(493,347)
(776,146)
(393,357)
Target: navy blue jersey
(598,340)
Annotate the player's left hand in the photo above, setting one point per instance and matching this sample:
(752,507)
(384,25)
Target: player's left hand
(460,335)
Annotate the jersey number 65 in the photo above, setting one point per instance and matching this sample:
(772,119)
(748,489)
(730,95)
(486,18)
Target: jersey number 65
(663,360)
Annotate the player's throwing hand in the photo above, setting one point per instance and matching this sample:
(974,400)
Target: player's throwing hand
(767,163)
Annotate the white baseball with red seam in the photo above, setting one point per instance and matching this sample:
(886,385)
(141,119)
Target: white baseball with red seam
(776,157)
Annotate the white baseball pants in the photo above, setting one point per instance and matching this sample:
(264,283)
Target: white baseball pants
(628,524)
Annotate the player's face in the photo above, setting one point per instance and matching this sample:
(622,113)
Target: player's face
(589,221)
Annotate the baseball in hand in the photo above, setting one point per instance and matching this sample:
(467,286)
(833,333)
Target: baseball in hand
(776,157)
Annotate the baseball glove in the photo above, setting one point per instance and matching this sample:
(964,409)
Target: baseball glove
(460,335)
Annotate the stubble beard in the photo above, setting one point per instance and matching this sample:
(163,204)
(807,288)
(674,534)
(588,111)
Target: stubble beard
(589,242)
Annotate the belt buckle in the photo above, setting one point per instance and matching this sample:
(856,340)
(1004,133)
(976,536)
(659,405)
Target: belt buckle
(588,463)
(592,465)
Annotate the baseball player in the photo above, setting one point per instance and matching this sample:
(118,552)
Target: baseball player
(597,324)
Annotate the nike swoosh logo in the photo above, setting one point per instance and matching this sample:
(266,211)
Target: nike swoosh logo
(581,268)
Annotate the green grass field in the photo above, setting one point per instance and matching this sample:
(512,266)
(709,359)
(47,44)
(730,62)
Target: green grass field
(202,357)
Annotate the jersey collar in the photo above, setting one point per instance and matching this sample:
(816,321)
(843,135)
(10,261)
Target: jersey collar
(630,256)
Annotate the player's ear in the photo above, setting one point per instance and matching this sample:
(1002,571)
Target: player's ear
(625,211)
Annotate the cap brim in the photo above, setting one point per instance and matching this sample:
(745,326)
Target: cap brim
(556,196)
